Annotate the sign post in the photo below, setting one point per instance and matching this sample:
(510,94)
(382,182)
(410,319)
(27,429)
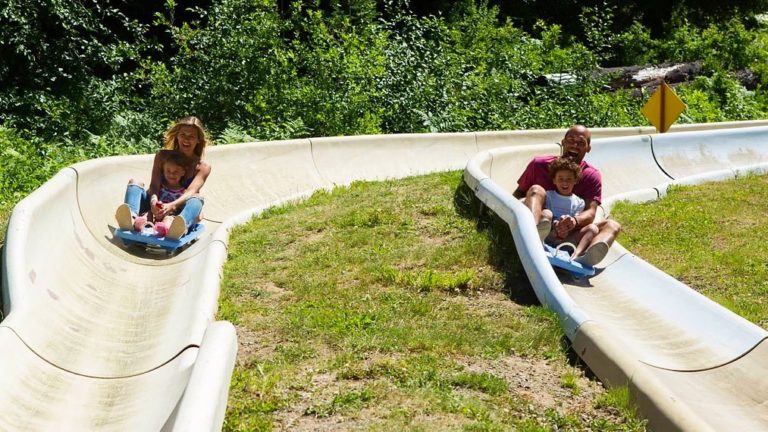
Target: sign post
(663,108)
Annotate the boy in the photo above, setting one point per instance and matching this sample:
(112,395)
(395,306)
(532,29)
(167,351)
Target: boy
(561,204)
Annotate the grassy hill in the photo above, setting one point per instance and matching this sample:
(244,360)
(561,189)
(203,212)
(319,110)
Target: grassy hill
(388,306)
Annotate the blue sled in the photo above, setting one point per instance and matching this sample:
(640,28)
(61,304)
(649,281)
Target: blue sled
(148,238)
(562,259)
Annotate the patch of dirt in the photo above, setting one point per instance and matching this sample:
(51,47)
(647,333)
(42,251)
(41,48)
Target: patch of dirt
(272,289)
(488,303)
(255,344)
(321,387)
(259,343)
(540,382)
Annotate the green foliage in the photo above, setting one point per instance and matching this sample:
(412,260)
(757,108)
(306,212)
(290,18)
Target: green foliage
(96,82)
(692,235)
(722,46)
(618,398)
(27,164)
(429,280)
(597,23)
(484,382)
(351,400)
(228,64)
(718,98)
(63,67)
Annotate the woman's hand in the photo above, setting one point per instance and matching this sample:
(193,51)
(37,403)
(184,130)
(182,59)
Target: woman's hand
(161,210)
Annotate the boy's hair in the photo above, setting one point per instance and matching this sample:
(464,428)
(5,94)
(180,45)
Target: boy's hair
(563,164)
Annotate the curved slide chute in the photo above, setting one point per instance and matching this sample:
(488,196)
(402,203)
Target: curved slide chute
(691,363)
(96,336)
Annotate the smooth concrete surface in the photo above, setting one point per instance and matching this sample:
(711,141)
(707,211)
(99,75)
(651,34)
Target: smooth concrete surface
(380,157)
(690,363)
(98,336)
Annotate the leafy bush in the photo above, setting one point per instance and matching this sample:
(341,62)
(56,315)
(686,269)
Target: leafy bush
(26,165)
(722,46)
(63,67)
(719,98)
(82,80)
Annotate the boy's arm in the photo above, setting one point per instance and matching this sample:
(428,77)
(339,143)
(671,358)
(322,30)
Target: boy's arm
(568,224)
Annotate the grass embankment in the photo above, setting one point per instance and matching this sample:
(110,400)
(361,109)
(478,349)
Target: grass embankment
(712,237)
(380,307)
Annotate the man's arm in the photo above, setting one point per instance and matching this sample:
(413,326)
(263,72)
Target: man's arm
(569,224)
(587,216)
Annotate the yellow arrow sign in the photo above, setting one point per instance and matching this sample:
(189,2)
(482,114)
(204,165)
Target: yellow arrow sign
(663,108)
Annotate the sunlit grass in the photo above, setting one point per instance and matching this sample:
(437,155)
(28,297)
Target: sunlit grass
(379,306)
(711,237)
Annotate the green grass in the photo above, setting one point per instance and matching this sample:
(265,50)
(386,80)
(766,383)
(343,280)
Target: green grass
(711,237)
(390,306)
(5,216)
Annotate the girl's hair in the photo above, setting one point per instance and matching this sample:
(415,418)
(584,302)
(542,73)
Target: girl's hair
(562,164)
(178,158)
(173,132)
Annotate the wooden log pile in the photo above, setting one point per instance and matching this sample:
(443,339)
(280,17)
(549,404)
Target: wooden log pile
(645,79)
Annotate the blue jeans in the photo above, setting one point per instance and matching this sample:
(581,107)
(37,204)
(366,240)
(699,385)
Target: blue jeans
(138,200)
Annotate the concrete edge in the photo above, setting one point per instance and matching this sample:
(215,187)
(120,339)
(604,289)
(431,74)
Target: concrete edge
(204,402)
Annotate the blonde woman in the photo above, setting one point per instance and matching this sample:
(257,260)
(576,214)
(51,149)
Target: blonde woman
(186,136)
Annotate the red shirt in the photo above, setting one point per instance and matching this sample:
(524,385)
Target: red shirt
(589,187)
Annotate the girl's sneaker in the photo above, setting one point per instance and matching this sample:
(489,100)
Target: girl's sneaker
(139,223)
(161,229)
(124,217)
(177,229)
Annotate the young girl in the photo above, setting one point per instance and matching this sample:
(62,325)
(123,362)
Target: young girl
(562,203)
(172,187)
(188,137)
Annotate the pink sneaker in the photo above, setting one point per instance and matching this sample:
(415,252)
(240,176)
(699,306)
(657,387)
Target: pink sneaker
(161,229)
(139,223)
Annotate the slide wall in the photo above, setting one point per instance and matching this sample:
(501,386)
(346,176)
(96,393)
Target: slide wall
(691,363)
(97,336)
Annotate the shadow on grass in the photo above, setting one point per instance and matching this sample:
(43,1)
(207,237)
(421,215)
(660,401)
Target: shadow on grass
(574,360)
(504,258)
(501,251)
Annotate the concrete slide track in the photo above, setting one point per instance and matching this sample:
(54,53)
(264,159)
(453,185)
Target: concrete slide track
(691,364)
(97,336)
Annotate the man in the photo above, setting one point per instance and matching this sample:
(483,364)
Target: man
(535,181)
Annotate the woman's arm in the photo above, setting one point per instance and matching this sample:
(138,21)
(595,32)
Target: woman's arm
(201,175)
(157,172)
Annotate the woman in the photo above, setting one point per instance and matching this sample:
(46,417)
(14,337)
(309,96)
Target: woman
(188,137)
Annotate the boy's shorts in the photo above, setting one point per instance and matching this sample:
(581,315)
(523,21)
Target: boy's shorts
(573,237)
